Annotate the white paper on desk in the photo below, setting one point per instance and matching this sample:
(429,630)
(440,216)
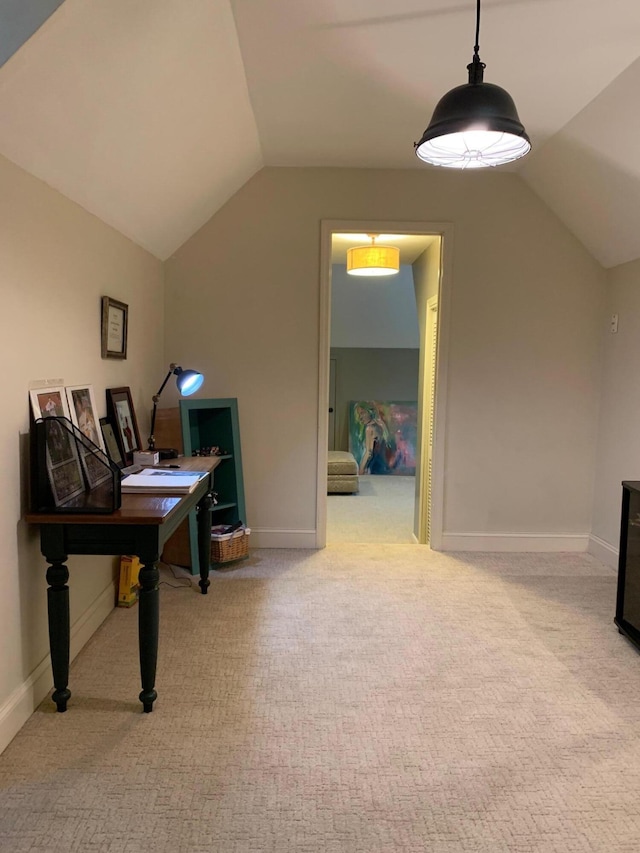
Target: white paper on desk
(162,481)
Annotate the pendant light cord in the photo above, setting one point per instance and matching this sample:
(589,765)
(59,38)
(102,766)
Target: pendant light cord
(476,68)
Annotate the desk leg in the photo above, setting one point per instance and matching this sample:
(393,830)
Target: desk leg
(58,608)
(204,541)
(148,621)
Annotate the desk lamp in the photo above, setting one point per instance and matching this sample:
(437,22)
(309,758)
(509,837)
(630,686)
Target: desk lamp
(188,382)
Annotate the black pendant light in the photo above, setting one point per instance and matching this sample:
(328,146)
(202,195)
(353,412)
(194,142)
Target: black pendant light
(474,125)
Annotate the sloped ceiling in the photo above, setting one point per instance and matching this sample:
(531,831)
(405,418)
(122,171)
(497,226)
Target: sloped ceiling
(136,109)
(152,113)
(19,21)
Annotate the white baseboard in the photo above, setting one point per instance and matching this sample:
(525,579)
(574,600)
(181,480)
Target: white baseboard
(274,538)
(603,551)
(514,542)
(579,542)
(15,712)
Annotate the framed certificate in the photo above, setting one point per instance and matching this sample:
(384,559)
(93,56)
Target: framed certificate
(114,328)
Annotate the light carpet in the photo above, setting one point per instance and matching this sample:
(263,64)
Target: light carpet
(382,511)
(359,699)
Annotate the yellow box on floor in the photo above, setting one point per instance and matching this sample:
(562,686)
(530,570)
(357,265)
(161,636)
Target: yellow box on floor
(128,587)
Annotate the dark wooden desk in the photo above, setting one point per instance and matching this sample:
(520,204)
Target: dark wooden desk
(627,616)
(141,526)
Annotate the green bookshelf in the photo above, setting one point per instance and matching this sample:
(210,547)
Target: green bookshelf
(215,423)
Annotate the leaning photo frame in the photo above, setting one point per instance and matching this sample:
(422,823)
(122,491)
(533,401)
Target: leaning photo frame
(121,413)
(49,402)
(84,412)
(82,406)
(111,442)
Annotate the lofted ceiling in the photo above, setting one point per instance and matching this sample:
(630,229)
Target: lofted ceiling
(152,113)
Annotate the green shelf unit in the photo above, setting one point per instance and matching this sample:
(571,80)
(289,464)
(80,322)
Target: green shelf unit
(215,423)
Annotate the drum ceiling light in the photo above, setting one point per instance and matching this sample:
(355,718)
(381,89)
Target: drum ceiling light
(474,125)
(373,260)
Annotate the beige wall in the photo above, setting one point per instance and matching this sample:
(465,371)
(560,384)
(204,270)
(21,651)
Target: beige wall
(618,455)
(56,261)
(242,300)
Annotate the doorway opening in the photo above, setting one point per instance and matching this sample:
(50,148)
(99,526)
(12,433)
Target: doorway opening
(398,365)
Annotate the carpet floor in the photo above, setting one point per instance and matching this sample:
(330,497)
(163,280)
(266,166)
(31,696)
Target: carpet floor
(359,699)
(382,511)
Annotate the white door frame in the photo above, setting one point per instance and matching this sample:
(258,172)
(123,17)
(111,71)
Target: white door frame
(445,231)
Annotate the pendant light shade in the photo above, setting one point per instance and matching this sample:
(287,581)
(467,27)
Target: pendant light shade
(373,260)
(474,125)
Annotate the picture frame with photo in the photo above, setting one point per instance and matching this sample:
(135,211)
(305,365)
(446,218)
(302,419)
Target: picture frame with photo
(82,406)
(121,413)
(84,412)
(49,402)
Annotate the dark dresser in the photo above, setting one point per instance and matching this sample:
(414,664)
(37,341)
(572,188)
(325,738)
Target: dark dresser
(628,599)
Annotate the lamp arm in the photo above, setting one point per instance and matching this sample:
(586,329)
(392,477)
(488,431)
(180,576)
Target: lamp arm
(173,368)
(152,440)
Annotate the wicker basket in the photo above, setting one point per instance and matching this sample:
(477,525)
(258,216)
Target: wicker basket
(226,547)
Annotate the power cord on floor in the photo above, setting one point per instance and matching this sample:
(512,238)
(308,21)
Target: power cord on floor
(186,585)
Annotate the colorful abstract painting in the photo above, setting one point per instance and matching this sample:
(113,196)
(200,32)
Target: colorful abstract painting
(382,436)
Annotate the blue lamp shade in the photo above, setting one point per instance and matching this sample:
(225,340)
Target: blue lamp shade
(189,381)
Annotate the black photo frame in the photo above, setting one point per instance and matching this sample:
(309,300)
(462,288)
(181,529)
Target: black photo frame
(111,443)
(121,413)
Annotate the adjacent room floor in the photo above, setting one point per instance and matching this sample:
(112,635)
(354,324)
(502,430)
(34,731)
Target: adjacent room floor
(381,512)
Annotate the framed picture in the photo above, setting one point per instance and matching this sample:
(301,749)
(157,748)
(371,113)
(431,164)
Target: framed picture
(111,442)
(115,317)
(123,419)
(82,406)
(83,409)
(49,402)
